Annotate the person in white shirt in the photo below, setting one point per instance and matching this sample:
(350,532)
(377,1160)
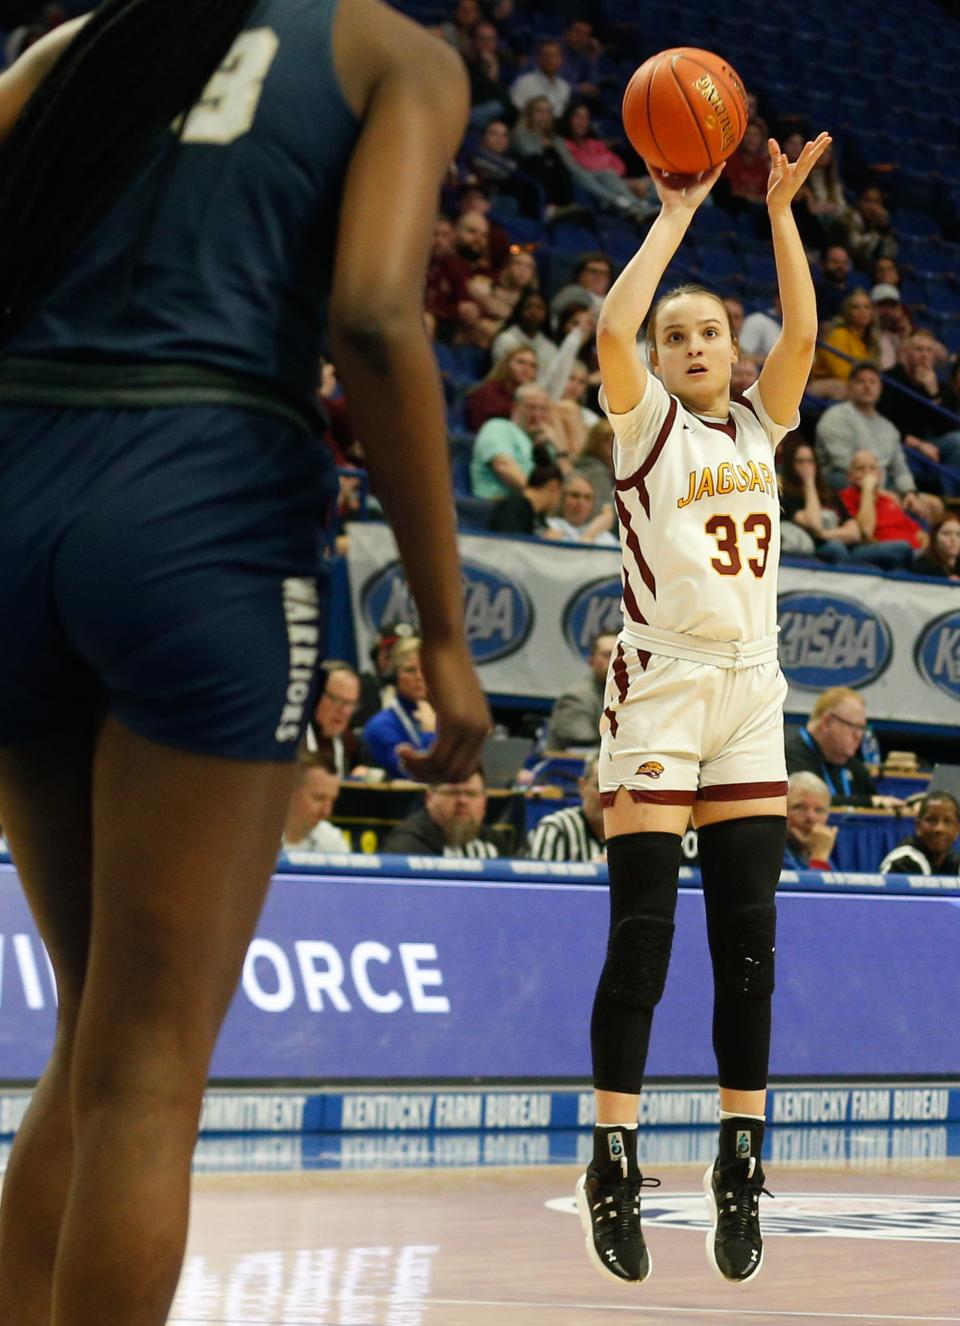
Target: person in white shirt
(693,717)
(308,827)
(544,81)
(761,331)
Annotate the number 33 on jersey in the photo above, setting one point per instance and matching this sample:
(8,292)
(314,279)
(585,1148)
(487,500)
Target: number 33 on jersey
(699,515)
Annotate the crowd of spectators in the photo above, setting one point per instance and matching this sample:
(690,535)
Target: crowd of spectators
(544,204)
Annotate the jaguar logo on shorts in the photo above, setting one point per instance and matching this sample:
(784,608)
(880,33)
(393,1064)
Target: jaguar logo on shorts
(650,769)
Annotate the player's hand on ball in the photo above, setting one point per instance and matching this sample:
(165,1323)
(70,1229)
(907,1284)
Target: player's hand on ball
(787,177)
(683,192)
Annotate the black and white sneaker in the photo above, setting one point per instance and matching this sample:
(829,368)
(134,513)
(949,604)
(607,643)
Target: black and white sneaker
(608,1203)
(732,1186)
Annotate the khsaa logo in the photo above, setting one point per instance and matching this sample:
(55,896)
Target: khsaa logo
(593,610)
(937,653)
(829,640)
(497,611)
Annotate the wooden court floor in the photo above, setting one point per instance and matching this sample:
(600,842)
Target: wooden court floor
(482,1247)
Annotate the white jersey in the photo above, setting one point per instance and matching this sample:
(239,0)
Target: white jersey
(699,515)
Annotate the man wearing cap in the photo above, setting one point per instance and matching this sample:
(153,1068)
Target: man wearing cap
(892,319)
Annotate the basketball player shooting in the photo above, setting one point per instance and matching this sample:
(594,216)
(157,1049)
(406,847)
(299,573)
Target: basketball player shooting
(693,722)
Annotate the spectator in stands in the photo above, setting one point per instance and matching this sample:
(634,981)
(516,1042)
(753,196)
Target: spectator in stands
(592,276)
(571,416)
(743,374)
(493,398)
(503,450)
(458,29)
(942,556)
(474,196)
(594,155)
(760,331)
(525,329)
(856,335)
(308,827)
(810,838)
(578,520)
(538,136)
(747,171)
(596,461)
(450,823)
(856,425)
(735,313)
(929,849)
(377,685)
(834,281)
(490,72)
(329,733)
(575,718)
(517,276)
(828,747)
(924,428)
(493,166)
(820,205)
(867,231)
(408,719)
(812,524)
(542,156)
(581,52)
(458,285)
(526,511)
(883,523)
(543,81)
(885,271)
(893,320)
(576,832)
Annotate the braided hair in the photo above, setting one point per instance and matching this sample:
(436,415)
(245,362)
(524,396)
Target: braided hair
(123,80)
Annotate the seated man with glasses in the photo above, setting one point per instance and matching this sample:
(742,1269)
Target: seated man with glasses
(330,733)
(450,823)
(828,747)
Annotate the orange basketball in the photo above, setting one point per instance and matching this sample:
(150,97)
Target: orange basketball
(685,110)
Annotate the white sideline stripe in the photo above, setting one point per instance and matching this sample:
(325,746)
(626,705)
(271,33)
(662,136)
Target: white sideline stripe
(414,1300)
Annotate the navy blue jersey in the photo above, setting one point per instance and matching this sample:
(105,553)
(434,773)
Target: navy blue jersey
(220,252)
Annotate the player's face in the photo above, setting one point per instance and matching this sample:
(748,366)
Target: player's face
(805,810)
(694,352)
(937,827)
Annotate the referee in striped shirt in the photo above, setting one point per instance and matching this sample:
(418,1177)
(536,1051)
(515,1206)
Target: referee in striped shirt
(576,833)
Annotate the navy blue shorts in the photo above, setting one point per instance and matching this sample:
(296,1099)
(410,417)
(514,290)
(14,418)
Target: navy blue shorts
(164,564)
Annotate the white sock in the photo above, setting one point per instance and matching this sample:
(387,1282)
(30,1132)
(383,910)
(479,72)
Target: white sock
(730,1114)
(616,1125)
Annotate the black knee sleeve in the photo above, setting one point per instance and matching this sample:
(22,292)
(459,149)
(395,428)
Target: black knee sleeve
(740,862)
(643,870)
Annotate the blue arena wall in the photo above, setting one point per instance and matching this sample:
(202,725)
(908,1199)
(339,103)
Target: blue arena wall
(461,977)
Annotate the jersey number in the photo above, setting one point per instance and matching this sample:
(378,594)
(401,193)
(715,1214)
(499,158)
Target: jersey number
(228,104)
(724,530)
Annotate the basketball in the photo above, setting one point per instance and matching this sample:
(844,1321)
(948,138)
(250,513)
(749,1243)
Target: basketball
(685,110)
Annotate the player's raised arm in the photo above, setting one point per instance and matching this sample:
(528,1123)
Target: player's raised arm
(629,298)
(414,110)
(21,80)
(787,367)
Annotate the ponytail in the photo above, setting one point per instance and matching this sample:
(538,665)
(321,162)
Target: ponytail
(124,79)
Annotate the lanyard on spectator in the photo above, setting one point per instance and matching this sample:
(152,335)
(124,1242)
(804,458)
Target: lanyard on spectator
(409,726)
(845,780)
